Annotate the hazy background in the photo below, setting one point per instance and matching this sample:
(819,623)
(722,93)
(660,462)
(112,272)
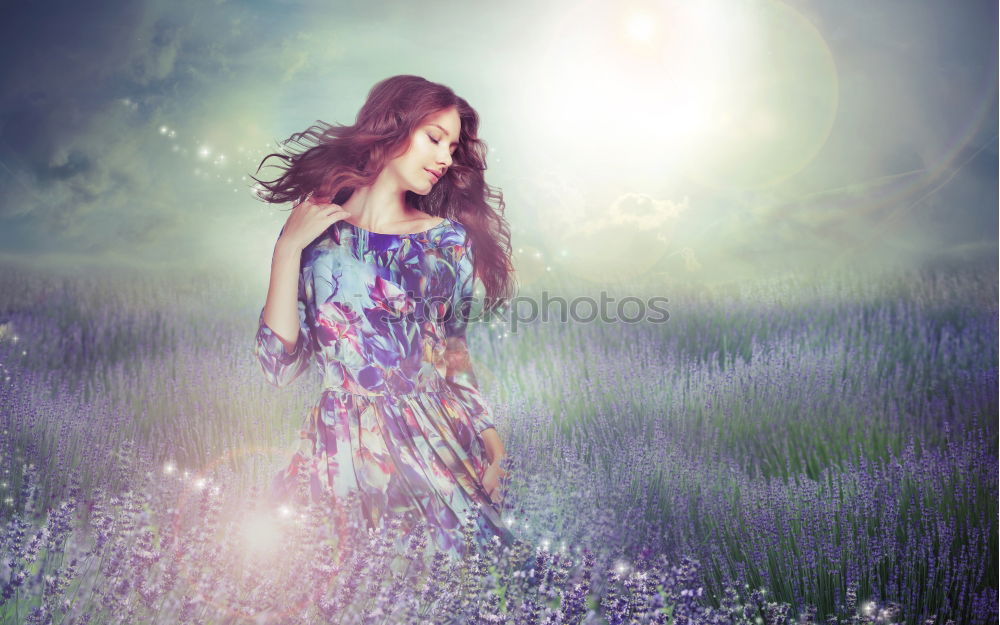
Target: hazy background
(706,140)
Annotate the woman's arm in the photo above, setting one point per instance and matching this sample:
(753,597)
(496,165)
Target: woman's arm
(283,343)
(462,379)
(280,310)
(460,375)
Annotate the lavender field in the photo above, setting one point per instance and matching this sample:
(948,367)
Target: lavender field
(783,451)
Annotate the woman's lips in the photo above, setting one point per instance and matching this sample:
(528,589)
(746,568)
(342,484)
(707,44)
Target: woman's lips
(434,175)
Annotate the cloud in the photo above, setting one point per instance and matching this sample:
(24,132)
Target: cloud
(80,162)
(86,87)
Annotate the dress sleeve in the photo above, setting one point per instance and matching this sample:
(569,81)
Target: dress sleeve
(460,376)
(280,367)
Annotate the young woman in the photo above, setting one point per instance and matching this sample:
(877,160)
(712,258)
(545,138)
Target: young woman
(371,283)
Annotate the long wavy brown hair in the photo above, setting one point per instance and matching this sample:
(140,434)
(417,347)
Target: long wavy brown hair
(338,159)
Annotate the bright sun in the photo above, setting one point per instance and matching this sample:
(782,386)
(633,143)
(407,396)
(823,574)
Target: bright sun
(738,93)
(640,26)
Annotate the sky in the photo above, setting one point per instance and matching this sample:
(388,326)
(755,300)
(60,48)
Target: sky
(700,140)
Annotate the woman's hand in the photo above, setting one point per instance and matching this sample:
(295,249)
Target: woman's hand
(308,220)
(491,480)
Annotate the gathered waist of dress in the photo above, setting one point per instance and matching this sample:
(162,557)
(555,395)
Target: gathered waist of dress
(432,386)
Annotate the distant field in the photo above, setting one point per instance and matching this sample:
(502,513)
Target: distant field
(830,442)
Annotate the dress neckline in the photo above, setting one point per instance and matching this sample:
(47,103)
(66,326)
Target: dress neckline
(401,234)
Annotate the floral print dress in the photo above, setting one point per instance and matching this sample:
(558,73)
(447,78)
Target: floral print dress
(382,318)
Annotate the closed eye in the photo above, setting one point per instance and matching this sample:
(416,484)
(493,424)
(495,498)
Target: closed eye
(435,142)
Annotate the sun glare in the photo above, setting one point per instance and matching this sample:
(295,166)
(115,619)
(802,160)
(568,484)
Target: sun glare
(733,94)
(640,26)
(260,533)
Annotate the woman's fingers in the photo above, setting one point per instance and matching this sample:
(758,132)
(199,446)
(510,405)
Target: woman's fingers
(310,217)
(308,199)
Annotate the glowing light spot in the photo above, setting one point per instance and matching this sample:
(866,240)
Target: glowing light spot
(260,534)
(640,26)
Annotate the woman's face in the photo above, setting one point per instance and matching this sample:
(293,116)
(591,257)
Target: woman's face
(431,148)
